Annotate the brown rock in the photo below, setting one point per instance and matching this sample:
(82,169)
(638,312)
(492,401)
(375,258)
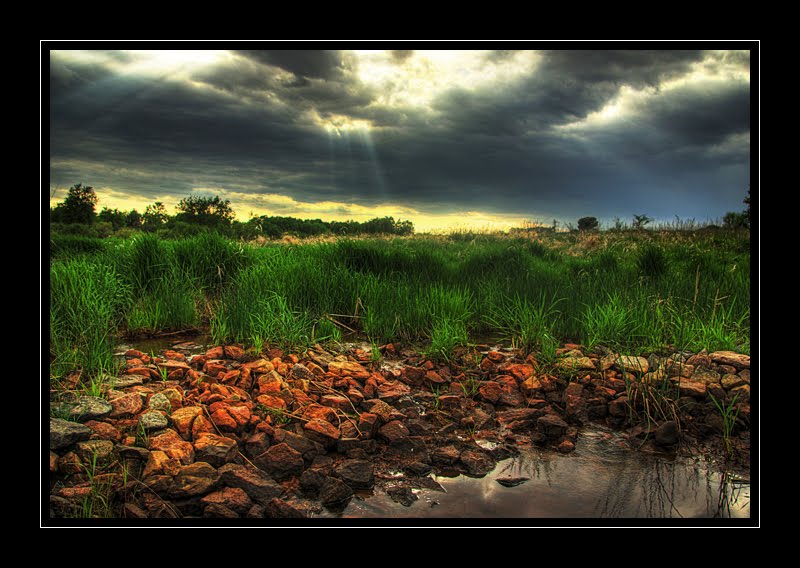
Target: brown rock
(155,463)
(575,364)
(495,357)
(447,455)
(688,387)
(53,462)
(412,375)
(629,364)
(281,461)
(573,398)
(520,418)
(126,405)
(728,382)
(705,375)
(233,352)
(738,360)
(701,359)
(258,485)
(566,447)
(322,431)
(383,410)
(193,480)
(520,371)
(233,498)
(214,449)
(104,431)
(490,391)
(173,445)
(434,377)
(742,393)
(393,431)
(477,463)
(391,391)
(317,411)
(70,463)
(619,407)
(270,383)
(368,424)
(348,368)
(488,366)
(551,426)
(337,402)
(270,402)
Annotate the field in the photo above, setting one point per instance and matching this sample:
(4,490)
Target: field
(641,291)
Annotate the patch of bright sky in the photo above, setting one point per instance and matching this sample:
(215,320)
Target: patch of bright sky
(711,73)
(177,63)
(417,80)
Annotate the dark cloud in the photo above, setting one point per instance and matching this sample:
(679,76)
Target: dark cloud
(316,64)
(503,149)
(400,55)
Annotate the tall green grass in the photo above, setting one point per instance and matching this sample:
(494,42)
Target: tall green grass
(635,291)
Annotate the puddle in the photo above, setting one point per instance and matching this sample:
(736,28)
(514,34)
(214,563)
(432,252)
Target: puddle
(601,479)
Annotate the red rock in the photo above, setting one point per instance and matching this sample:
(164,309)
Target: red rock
(336,401)
(573,398)
(215,353)
(488,366)
(434,377)
(174,355)
(104,431)
(391,391)
(507,383)
(134,363)
(701,359)
(145,372)
(566,447)
(233,352)
(321,431)
(126,405)
(368,424)
(605,392)
(495,356)
(232,498)
(131,353)
(270,383)
(53,462)
(519,418)
(320,412)
(551,426)
(383,410)
(281,461)
(349,368)
(214,449)
(214,369)
(75,493)
(229,377)
(70,463)
(228,418)
(200,426)
(447,455)
(490,391)
(155,463)
(731,358)
(315,369)
(520,371)
(173,445)
(271,402)
(450,400)
(183,418)
(355,395)
(412,375)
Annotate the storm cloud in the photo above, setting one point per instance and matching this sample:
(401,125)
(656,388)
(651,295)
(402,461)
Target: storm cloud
(502,134)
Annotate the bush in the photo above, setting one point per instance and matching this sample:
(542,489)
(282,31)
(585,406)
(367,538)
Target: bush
(588,224)
(651,261)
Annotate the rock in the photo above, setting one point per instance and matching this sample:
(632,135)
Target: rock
(566,446)
(732,381)
(477,463)
(280,509)
(64,433)
(173,445)
(368,424)
(270,383)
(608,361)
(488,366)
(573,398)
(629,364)
(126,405)
(301,372)
(229,416)
(217,511)
(619,407)
(193,480)
(447,455)
(742,393)
(70,463)
(732,358)
(358,474)
(348,368)
(159,401)
(418,468)
(512,481)
(667,434)
(234,498)
(89,408)
(125,381)
(705,375)
(53,462)
(393,431)
(403,495)
(258,485)
(700,359)
(281,461)
(551,426)
(309,449)
(97,451)
(104,431)
(575,364)
(184,418)
(215,450)
(383,410)
(132,453)
(233,352)
(337,402)
(391,391)
(520,371)
(335,493)
(490,391)
(311,481)
(519,418)
(150,421)
(696,389)
(131,511)
(322,431)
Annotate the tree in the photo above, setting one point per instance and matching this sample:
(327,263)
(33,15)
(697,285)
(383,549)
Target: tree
(639,221)
(746,201)
(733,220)
(133,219)
(210,211)
(78,207)
(588,224)
(155,215)
(113,216)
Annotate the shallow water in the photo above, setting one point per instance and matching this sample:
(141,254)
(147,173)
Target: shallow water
(600,479)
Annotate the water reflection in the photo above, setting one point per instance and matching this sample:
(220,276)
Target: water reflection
(601,479)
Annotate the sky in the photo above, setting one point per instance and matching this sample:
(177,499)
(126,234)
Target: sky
(445,138)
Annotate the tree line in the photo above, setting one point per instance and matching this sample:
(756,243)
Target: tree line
(77,215)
